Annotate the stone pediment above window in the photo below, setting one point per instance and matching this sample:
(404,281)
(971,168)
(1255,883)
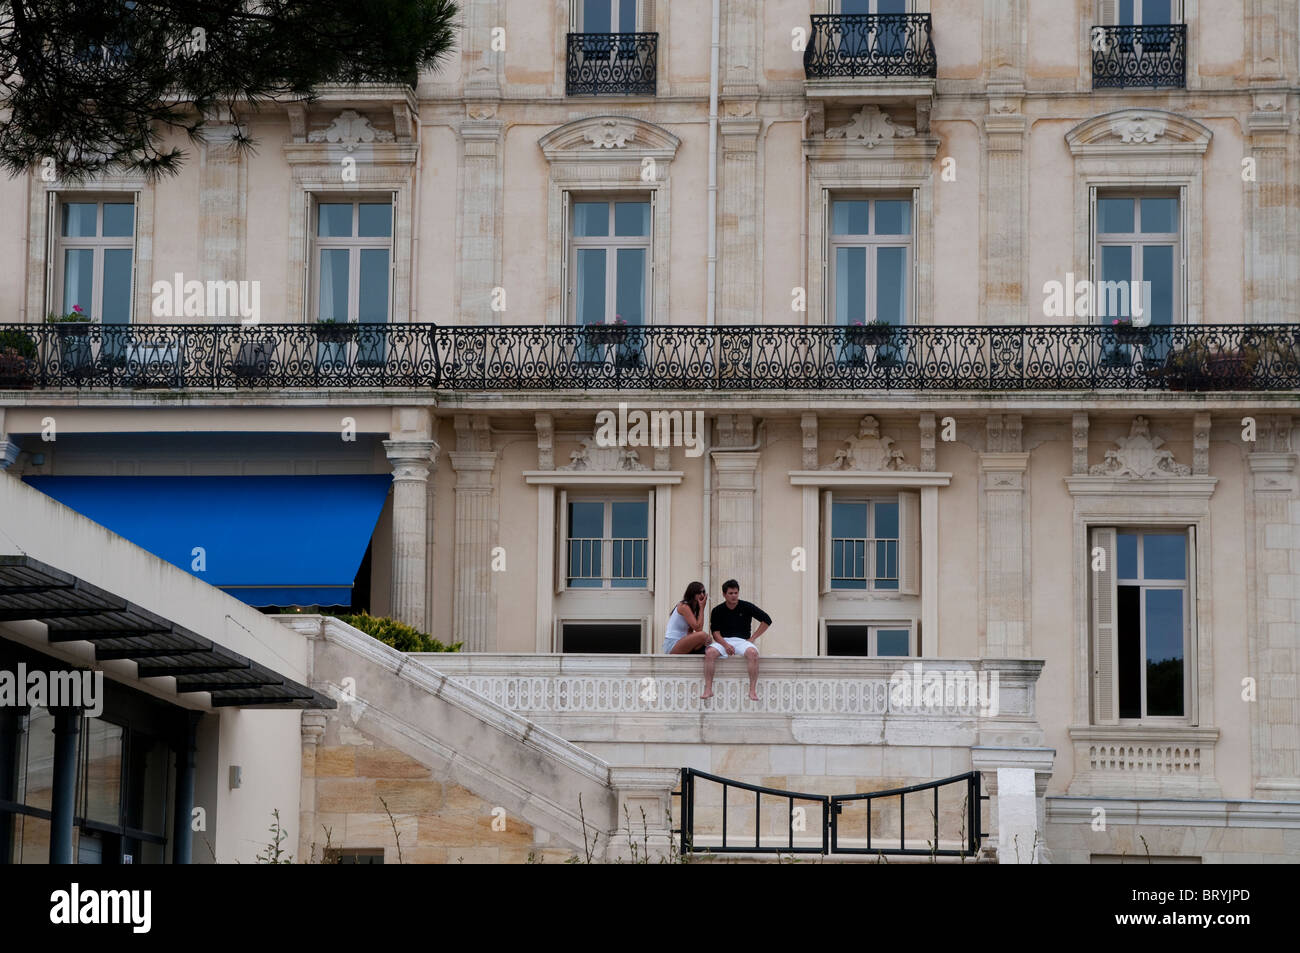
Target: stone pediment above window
(869,451)
(1139,456)
(1131,132)
(609,138)
(378,133)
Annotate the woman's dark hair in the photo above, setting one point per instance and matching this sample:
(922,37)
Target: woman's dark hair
(693,590)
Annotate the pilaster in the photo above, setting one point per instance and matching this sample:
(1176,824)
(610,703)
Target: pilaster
(738,221)
(223,207)
(411,460)
(1004,535)
(480,194)
(475,607)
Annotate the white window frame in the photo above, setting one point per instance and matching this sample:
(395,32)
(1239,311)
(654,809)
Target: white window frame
(610,244)
(607,498)
(580,12)
(909,542)
(871,242)
(871,501)
(1108,13)
(98,244)
(354,244)
(1138,240)
(873,626)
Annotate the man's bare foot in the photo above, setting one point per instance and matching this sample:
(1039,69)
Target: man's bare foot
(753,695)
(707,693)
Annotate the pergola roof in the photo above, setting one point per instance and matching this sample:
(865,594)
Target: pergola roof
(77,611)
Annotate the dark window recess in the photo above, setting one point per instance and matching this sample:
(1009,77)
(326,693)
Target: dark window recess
(1165,687)
(367,856)
(361,585)
(597,638)
(1129,622)
(848,640)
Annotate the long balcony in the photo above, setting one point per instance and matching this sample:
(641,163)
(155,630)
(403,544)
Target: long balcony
(612,64)
(1132,57)
(1214,357)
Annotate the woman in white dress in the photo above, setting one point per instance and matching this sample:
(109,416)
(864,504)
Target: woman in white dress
(685,631)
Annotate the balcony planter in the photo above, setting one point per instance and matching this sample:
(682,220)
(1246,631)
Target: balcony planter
(68,329)
(253,359)
(1132,334)
(597,335)
(335,331)
(17,360)
(869,333)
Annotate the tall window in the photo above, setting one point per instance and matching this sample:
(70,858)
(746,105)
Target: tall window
(607,543)
(354,243)
(870,260)
(1142,606)
(864,544)
(894,639)
(610,261)
(883,38)
(94,258)
(607,16)
(1142,12)
(1138,242)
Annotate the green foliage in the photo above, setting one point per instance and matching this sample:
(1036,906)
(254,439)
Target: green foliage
(274,852)
(399,635)
(11,339)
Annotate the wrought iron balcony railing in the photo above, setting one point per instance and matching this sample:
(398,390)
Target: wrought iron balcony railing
(874,45)
(1253,357)
(1137,56)
(612,64)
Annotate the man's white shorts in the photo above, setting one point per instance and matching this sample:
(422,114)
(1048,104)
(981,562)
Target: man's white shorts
(740,645)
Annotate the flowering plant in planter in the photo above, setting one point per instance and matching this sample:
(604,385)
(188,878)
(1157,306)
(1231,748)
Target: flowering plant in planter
(1126,332)
(873,332)
(75,316)
(612,333)
(331,329)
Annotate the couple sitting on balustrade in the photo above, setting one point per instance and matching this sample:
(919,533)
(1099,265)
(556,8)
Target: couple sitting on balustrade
(728,633)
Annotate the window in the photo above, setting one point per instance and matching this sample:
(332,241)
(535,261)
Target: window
(611,261)
(888,38)
(601,637)
(871,544)
(893,639)
(1142,613)
(605,543)
(607,16)
(870,260)
(1141,12)
(353,256)
(864,544)
(95,257)
(1138,246)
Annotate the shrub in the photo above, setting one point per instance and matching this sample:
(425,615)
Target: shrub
(11,339)
(399,635)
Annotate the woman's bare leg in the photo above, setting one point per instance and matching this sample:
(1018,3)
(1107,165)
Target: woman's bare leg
(689,643)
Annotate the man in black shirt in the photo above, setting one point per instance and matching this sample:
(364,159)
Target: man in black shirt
(730,624)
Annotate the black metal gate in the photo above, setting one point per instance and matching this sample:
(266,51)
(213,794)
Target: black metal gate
(836,837)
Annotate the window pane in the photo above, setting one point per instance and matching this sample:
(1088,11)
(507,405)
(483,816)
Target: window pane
(848,519)
(31,840)
(333,303)
(375,220)
(586,520)
(102,771)
(591,285)
(631,219)
(1126,12)
(886,520)
(374,285)
(850,285)
(627,16)
(79,219)
(1156,11)
(591,219)
(78,279)
(892,642)
(1164,651)
(117,286)
(334,220)
(1159,216)
(848,640)
(1164,556)
(1158,282)
(893,217)
(36,770)
(891,6)
(119,219)
(1116,265)
(1128,618)
(855,7)
(629,522)
(150,764)
(597,16)
(1127,556)
(586,530)
(1115,216)
(891,284)
(850,217)
(848,545)
(886,545)
(629,296)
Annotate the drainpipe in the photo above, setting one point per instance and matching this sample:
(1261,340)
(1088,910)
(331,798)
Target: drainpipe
(414,304)
(759,433)
(714,71)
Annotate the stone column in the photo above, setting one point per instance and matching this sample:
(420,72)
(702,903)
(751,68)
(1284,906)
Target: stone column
(480,191)
(313,730)
(412,460)
(1004,568)
(1268,214)
(223,209)
(1275,635)
(1005,176)
(475,613)
(738,218)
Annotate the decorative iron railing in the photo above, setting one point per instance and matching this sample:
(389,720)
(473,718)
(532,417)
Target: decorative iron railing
(1211,357)
(1136,56)
(878,44)
(612,64)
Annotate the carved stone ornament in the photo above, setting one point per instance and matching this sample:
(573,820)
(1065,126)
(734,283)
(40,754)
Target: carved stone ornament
(350,129)
(869,451)
(1139,456)
(610,134)
(1139,128)
(871,126)
(592,456)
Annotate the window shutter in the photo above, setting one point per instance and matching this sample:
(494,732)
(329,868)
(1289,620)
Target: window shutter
(1180,314)
(51,250)
(1193,708)
(650,540)
(566,293)
(826,238)
(826,553)
(647,635)
(909,542)
(1104,607)
(1108,12)
(562,542)
(309,247)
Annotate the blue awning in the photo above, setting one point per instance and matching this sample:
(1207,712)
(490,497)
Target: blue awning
(266,540)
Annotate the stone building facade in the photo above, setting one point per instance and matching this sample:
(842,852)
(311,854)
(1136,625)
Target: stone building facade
(855,248)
